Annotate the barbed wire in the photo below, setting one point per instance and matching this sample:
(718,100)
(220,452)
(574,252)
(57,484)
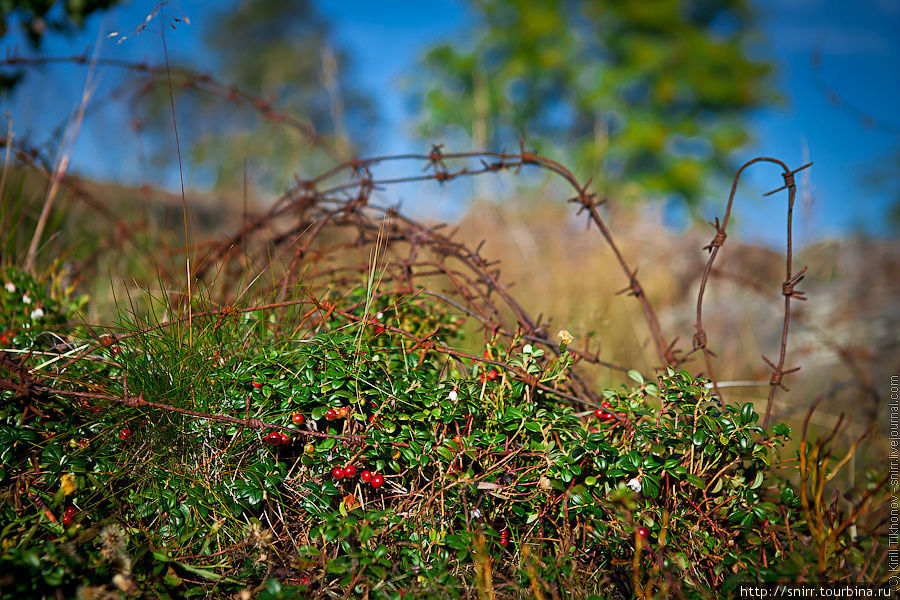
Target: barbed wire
(787,287)
(323,217)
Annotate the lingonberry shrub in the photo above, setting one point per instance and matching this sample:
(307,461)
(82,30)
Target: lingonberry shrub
(491,465)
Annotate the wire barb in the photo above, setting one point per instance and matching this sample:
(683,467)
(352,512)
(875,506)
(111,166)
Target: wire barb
(787,287)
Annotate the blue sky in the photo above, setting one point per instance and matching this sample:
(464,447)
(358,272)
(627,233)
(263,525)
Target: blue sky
(858,42)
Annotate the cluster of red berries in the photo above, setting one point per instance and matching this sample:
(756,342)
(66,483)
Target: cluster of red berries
(337,413)
(6,338)
(504,538)
(606,415)
(277,438)
(376,480)
(124,434)
(490,375)
(339,473)
(67,516)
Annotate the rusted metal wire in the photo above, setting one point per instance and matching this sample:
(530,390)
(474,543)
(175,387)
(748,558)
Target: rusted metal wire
(307,232)
(787,287)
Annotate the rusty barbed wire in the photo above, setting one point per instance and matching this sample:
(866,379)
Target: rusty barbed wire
(791,279)
(318,219)
(345,199)
(312,211)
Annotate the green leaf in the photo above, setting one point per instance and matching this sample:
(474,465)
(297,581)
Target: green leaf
(695,481)
(650,485)
(636,375)
(758,480)
(747,413)
(787,495)
(172,579)
(201,572)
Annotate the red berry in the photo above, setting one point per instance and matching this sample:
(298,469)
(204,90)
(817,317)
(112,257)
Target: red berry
(504,538)
(349,471)
(377,480)
(297,418)
(366,476)
(283,437)
(70,512)
(643,532)
(304,580)
(123,435)
(273,438)
(595,429)
(337,473)
(5,338)
(257,385)
(599,413)
(342,412)
(66,519)
(331,414)
(606,404)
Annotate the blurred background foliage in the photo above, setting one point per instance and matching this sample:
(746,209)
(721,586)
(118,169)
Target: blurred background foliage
(39,17)
(281,51)
(645,97)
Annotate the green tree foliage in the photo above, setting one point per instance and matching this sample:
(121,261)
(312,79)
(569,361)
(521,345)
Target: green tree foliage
(280,51)
(39,17)
(646,97)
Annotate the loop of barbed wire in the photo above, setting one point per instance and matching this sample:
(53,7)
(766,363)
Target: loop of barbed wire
(791,279)
(299,227)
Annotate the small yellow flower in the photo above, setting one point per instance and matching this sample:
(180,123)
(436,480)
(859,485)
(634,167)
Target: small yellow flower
(565,338)
(67,484)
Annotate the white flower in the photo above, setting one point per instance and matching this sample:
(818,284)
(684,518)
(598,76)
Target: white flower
(476,513)
(379,316)
(376,358)
(635,485)
(565,338)
(10,287)
(37,314)
(527,349)
(452,396)
(26,299)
